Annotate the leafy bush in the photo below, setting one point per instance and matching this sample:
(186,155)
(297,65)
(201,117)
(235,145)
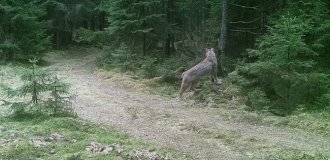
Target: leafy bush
(45,91)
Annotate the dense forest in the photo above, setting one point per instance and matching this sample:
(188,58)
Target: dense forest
(277,50)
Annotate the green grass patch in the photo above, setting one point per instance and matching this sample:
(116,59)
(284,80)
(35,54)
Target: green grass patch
(293,154)
(33,139)
(318,122)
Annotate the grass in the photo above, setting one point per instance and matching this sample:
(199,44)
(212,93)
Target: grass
(314,122)
(18,140)
(293,154)
(317,122)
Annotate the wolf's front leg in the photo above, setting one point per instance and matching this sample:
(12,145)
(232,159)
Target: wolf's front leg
(214,76)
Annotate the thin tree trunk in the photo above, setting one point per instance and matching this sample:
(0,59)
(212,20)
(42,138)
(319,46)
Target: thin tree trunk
(168,39)
(223,36)
(57,39)
(133,44)
(144,44)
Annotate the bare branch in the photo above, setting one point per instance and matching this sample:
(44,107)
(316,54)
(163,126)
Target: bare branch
(245,28)
(245,22)
(246,31)
(246,7)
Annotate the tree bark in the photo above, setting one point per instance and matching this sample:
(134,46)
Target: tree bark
(223,36)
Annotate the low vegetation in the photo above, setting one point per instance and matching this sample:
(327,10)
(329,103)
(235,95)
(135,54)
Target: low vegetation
(72,138)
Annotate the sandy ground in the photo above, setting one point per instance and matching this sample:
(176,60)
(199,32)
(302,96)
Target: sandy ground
(189,127)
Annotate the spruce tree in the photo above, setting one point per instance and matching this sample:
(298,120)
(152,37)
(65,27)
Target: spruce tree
(23,29)
(283,76)
(46,94)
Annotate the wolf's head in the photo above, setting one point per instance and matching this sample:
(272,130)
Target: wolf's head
(210,52)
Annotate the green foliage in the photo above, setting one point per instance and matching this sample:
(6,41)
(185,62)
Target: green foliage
(89,37)
(145,67)
(258,99)
(149,67)
(294,154)
(37,83)
(60,103)
(120,57)
(284,70)
(134,19)
(68,16)
(22,31)
(166,68)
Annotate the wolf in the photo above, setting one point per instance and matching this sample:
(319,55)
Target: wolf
(208,66)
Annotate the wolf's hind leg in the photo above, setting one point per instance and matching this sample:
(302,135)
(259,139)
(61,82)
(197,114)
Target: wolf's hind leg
(184,87)
(194,85)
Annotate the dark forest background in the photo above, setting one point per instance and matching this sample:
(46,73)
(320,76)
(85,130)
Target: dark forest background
(276,50)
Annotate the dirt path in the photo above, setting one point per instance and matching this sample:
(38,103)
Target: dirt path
(195,130)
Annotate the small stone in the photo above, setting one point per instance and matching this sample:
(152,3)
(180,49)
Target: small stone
(52,151)
(73,140)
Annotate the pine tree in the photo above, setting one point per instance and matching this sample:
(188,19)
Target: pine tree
(135,22)
(23,31)
(284,69)
(37,84)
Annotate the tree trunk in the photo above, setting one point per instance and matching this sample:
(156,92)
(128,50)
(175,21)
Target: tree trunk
(133,44)
(169,43)
(144,44)
(223,36)
(57,39)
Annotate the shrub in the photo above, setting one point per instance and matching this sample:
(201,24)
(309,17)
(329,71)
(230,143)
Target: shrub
(45,92)
(119,57)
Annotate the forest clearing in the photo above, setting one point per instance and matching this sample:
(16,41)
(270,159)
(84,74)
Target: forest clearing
(165,79)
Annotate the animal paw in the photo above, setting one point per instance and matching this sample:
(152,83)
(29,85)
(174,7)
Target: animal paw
(218,81)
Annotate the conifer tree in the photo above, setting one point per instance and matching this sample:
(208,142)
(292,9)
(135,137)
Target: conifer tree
(135,22)
(37,85)
(22,29)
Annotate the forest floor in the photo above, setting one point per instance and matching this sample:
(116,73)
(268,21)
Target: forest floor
(116,99)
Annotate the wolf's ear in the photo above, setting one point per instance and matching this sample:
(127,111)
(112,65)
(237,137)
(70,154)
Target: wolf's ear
(206,50)
(212,49)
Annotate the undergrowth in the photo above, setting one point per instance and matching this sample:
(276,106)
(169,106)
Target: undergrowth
(122,58)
